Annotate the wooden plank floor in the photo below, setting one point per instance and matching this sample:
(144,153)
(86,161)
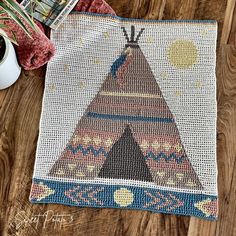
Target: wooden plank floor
(20,108)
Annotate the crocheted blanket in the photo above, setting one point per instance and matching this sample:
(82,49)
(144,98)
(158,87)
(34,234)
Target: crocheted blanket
(129,116)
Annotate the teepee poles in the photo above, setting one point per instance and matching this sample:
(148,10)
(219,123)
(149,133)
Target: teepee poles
(132,35)
(139,34)
(125,33)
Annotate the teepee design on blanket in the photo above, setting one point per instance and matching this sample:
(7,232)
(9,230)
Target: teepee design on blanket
(128,131)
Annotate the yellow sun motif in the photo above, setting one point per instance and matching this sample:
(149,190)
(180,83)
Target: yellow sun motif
(123,197)
(182,54)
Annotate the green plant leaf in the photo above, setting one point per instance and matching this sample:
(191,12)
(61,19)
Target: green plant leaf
(6,37)
(3,26)
(21,12)
(15,18)
(14,38)
(5,18)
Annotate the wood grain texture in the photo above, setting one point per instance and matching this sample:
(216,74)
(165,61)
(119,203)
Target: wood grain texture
(20,108)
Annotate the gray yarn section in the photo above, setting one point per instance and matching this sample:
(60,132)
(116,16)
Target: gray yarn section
(126,160)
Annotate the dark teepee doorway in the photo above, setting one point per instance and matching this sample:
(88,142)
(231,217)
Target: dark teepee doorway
(125,160)
(128,131)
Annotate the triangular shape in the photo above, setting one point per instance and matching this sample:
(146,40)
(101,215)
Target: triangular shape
(129,95)
(125,160)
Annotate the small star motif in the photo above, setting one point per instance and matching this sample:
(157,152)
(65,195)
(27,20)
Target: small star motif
(164,75)
(82,84)
(106,35)
(81,42)
(150,39)
(199,84)
(178,93)
(66,67)
(51,87)
(97,61)
(204,32)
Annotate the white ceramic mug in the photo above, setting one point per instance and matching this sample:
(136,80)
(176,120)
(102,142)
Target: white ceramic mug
(9,67)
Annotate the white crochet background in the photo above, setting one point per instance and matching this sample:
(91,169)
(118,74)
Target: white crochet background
(87,45)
